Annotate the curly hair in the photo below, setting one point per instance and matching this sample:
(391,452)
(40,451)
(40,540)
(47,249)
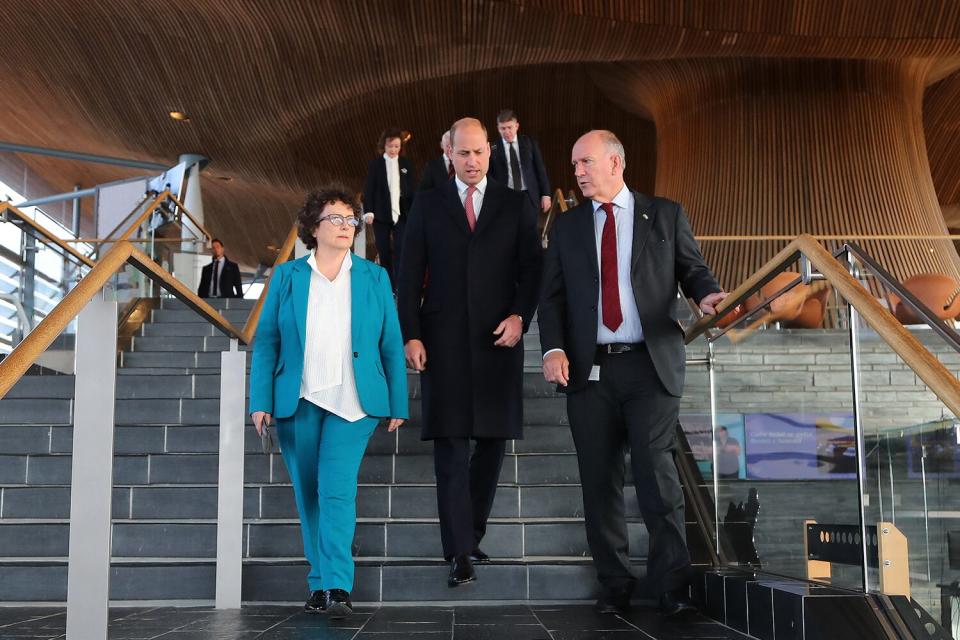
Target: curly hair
(309,215)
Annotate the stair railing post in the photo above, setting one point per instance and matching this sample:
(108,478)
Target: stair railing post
(233,369)
(91,488)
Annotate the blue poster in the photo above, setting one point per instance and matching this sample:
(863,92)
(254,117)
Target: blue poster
(800,446)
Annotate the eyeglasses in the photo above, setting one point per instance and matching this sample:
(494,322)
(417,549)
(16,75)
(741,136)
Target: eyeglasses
(336,221)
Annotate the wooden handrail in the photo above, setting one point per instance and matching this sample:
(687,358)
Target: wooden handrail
(940,380)
(39,228)
(250,328)
(189,215)
(26,353)
(123,252)
(163,195)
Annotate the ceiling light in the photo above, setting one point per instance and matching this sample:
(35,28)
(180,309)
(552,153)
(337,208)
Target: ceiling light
(180,116)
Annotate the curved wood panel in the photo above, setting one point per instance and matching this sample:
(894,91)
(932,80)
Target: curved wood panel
(784,147)
(286,94)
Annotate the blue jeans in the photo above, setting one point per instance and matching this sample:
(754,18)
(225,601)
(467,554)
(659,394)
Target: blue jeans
(322,452)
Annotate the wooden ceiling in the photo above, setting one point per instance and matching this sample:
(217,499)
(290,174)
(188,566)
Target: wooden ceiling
(287,94)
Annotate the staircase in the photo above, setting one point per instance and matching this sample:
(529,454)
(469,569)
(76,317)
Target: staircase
(165,493)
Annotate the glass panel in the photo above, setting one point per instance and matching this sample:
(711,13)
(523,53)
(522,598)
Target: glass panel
(35,275)
(783,428)
(913,449)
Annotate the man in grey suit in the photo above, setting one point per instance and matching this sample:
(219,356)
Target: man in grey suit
(612,343)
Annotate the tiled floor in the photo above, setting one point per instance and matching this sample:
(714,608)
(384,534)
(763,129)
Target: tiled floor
(504,622)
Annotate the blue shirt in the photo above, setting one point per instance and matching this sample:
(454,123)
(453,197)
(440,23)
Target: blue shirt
(630,330)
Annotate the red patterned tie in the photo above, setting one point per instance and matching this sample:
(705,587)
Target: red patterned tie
(610,287)
(468,205)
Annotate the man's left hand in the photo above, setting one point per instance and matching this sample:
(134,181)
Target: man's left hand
(709,303)
(510,331)
(545,203)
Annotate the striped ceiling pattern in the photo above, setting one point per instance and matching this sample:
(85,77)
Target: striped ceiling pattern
(287,94)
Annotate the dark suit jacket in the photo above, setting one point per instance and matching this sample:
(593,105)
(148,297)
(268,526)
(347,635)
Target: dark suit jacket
(664,254)
(230,286)
(531,166)
(470,387)
(434,174)
(376,192)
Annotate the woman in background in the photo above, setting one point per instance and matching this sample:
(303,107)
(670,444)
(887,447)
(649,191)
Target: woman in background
(388,193)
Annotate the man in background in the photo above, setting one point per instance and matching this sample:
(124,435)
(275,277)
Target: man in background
(516,162)
(220,278)
(439,170)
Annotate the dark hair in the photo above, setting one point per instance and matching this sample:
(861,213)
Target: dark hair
(309,215)
(506,115)
(217,240)
(389,134)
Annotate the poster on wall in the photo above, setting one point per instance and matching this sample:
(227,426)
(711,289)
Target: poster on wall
(730,451)
(800,446)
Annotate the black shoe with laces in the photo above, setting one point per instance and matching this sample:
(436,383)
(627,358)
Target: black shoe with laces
(338,604)
(317,603)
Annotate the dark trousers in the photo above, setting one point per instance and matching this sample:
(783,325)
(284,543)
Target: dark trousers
(466,486)
(389,240)
(629,408)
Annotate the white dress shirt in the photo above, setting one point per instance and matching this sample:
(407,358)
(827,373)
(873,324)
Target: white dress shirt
(393,184)
(328,379)
(510,177)
(630,329)
(477,195)
(215,282)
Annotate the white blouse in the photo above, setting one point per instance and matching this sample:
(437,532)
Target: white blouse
(393,184)
(328,380)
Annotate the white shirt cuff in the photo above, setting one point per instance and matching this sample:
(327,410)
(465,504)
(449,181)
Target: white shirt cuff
(552,351)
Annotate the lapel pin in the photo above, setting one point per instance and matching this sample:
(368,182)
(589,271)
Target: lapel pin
(403,170)
(645,216)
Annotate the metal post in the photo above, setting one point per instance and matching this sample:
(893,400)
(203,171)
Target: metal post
(233,369)
(858,428)
(713,444)
(88,569)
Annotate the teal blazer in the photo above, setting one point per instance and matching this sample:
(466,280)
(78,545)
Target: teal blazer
(379,365)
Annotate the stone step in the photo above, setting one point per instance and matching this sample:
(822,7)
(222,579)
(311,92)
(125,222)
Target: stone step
(236,316)
(22,411)
(180,540)
(376,580)
(183,343)
(216,303)
(194,468)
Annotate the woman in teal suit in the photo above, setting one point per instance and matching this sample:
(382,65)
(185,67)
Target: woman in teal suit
(328,363)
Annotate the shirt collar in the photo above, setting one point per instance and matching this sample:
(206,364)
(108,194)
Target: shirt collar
(507,144)
(462,186)
(621,200)
(389,159)
(344,267)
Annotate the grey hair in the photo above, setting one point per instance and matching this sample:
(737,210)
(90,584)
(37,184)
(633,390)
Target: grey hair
(613,144)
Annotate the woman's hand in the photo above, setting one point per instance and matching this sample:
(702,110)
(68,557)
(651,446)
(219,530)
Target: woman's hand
(261,418)
(394,424)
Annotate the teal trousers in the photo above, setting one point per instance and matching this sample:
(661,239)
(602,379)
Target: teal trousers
(322,452)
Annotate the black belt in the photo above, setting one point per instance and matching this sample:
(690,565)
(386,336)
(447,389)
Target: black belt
(619,347)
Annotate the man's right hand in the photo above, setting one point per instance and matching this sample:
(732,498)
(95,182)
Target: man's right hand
(556,368)
(416,355)
(261,418)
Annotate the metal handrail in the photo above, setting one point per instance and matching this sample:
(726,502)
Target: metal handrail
(6,207)
(948,333)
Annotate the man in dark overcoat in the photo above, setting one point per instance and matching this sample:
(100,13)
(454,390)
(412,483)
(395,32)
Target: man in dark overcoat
(463,331)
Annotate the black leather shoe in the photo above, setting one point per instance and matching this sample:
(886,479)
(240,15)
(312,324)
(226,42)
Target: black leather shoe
(613,601)
(676,604)
(338,604)
(478,556)
(461,571)
(317,602)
